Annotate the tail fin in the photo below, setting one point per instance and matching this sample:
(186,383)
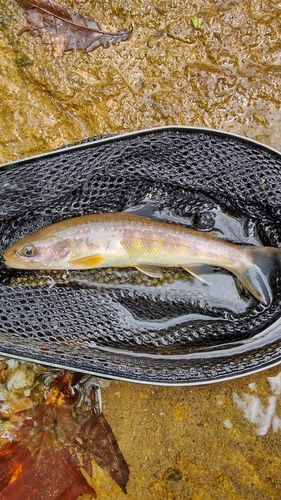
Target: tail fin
(256,270)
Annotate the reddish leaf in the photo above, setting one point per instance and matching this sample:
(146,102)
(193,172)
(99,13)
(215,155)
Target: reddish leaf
(67,30)
(52,473)
(42,463)
(13,461)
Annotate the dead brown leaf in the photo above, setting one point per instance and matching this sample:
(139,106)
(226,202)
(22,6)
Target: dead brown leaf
(65,29)
(97,438)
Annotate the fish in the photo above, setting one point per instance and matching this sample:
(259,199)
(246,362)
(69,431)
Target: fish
(123,239)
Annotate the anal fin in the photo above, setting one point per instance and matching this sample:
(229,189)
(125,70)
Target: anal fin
(152,271)
(196,271)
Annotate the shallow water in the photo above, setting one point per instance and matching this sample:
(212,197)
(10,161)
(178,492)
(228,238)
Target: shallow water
(218,441)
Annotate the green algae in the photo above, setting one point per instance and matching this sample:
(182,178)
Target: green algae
(21,59)
(197,22)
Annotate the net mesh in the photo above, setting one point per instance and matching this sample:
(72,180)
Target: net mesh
(111,331)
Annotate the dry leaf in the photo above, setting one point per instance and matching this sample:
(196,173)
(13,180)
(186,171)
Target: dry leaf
(65,29)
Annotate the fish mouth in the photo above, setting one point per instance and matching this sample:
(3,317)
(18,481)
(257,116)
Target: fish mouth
(14,264)
(13,260)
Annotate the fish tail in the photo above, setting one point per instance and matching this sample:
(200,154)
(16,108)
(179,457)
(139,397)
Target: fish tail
(256,270)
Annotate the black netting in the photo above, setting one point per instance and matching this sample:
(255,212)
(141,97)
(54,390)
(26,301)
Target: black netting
(112,330)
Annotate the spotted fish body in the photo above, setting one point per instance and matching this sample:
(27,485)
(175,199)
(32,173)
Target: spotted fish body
(127,240)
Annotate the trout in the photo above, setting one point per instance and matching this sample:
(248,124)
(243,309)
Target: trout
(127,240)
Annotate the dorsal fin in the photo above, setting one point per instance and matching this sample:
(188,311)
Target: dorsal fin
(149,209)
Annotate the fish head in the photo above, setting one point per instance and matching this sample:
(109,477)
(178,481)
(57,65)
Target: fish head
(29,253)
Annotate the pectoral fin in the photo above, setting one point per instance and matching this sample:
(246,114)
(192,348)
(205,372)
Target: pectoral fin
(87,262)
(196,271)
(152,271)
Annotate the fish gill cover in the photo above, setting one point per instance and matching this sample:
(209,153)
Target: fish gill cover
(120,323)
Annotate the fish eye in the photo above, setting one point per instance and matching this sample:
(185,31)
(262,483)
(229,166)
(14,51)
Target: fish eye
(29,251)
